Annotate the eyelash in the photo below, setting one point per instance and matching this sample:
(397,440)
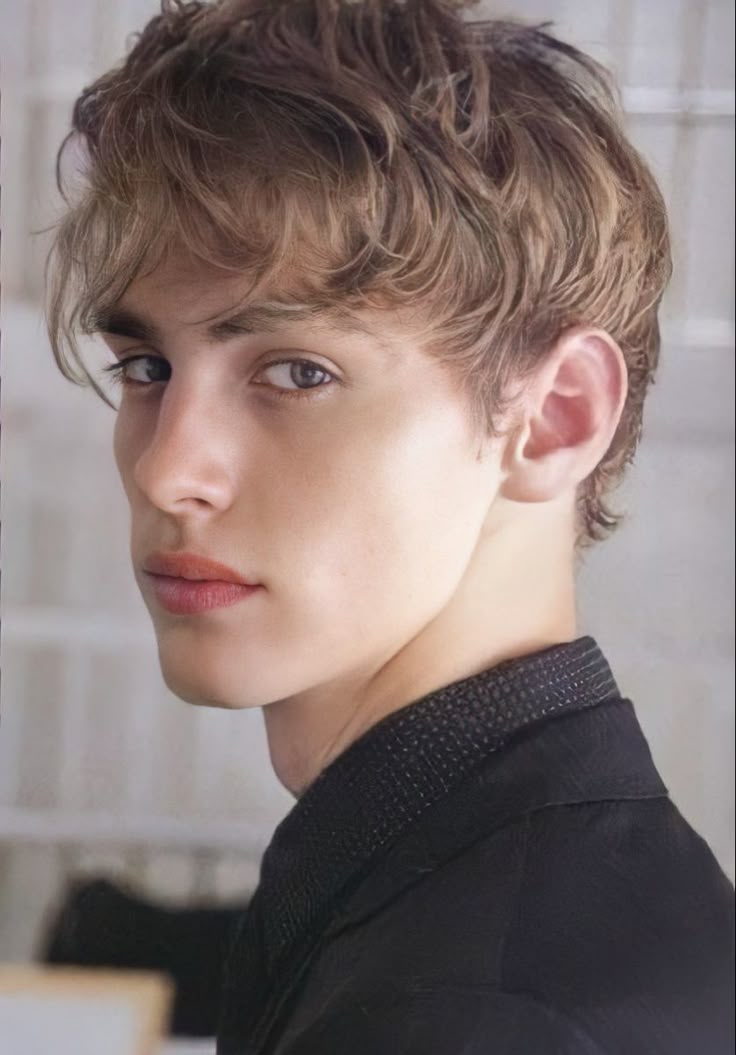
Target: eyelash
(117,373)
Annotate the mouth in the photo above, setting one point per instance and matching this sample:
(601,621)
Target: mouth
(187,583)
(193,566)
(182,596)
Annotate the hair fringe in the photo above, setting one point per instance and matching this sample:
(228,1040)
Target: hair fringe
(403,155)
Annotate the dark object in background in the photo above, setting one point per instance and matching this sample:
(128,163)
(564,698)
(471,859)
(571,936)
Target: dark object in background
(100,924)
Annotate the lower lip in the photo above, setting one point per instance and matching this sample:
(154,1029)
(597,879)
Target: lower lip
(191,596)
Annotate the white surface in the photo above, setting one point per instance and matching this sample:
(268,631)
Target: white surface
(34,1023)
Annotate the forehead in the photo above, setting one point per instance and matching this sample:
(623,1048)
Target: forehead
(193,293)
(185,293)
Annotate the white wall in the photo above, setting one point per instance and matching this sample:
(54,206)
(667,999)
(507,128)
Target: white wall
(92,742)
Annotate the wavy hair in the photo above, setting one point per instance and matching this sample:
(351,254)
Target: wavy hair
(350,153)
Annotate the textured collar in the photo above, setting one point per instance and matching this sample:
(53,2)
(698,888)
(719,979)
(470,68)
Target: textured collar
(383,782)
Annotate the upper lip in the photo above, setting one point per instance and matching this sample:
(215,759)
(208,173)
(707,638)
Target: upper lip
(192,566)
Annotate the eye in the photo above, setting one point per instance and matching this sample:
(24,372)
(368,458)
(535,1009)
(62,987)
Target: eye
(303,373)
(142,371)
(124,371)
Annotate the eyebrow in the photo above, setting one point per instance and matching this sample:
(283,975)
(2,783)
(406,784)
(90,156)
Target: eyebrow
(255,318)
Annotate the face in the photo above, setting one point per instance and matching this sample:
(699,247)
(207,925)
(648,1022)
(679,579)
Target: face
(335,469)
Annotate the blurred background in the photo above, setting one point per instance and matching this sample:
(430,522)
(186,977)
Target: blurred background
(102,769)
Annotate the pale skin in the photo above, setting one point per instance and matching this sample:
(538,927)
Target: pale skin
(396,551)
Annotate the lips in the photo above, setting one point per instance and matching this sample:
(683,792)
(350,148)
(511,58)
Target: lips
(188,584)
(194,596)
(192,566)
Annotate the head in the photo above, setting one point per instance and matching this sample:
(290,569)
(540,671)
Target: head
(395,276)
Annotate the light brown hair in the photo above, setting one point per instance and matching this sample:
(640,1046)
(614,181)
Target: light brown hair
(402,155)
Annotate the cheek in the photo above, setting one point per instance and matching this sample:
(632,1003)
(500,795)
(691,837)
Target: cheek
(125,443)
(391,516)
(119,444)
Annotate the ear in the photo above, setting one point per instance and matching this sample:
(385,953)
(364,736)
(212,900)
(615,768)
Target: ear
(569,415)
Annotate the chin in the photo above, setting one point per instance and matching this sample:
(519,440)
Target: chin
(208,668)
(191,683)
(231,673)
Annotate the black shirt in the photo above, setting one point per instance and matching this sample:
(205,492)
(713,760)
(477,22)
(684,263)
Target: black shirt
(494,869)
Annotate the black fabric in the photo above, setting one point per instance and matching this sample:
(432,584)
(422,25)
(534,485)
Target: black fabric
(495,869)
(102,923)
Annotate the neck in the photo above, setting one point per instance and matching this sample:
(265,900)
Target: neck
(516,597)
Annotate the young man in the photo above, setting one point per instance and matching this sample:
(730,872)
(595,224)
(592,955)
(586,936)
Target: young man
(381,285)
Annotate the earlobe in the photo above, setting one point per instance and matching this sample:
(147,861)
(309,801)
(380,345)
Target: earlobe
(570,415)
(540,478)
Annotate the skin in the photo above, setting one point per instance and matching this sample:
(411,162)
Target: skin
(397,552)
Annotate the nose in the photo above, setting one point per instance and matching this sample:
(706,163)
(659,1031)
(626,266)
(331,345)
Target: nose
(186,467)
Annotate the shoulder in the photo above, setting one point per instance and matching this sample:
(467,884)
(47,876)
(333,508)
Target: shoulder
(442,1020)
(618,881)
(624,921)
(629,879)
(607,920)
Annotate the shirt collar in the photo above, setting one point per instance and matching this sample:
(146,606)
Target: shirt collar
(385,780)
